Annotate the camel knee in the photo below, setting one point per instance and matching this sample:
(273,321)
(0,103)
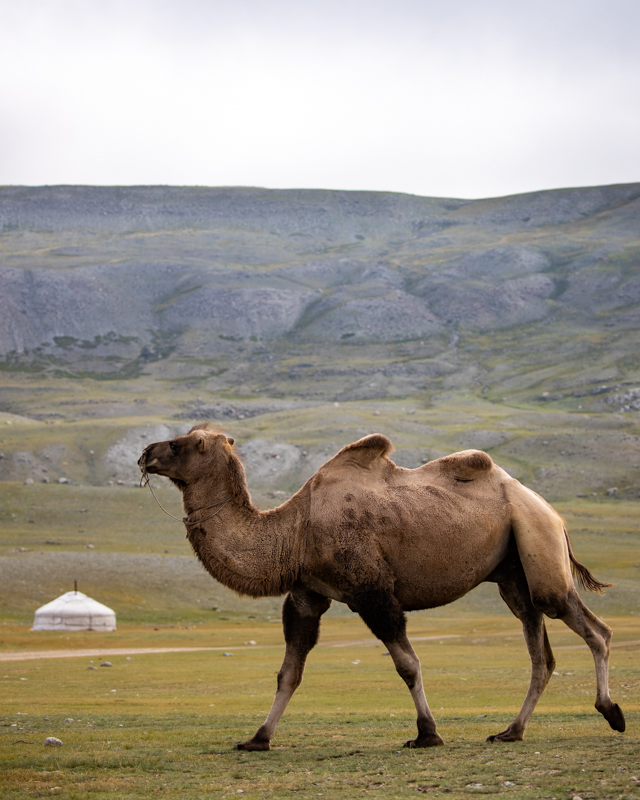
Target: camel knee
(596,633)
(409,671)
(407,664)
(290,677)
(605,632)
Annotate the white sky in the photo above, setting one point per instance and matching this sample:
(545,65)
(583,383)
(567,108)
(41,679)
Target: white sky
(455,98)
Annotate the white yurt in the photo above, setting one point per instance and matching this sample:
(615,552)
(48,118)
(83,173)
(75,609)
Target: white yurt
(74,611)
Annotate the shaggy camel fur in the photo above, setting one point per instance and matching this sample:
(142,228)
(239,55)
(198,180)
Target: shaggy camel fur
(385,540)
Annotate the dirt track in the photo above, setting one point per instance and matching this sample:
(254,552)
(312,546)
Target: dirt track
(134,651)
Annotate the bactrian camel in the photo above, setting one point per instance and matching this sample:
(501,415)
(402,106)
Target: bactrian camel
(385,540)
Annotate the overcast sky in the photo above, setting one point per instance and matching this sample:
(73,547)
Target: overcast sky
(454,98)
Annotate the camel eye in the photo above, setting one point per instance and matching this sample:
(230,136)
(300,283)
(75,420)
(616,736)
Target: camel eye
(174,447)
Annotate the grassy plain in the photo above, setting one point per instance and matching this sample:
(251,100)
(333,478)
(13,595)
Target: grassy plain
(164,724)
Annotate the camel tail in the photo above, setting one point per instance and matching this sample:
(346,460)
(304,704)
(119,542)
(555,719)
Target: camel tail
(581,574)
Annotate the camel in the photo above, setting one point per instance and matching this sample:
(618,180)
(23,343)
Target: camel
(385,540)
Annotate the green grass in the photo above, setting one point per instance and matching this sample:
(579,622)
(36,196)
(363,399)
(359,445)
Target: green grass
(169,726)
(114,519)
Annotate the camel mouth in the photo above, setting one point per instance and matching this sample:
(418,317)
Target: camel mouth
(145,468)
(144,464)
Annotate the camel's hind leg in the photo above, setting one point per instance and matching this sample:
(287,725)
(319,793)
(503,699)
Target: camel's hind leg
(383,615)
(301,614)
(597,635)
(515,593)
(544,550)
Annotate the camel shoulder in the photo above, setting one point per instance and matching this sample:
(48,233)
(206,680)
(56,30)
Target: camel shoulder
(467,465)
(363,453)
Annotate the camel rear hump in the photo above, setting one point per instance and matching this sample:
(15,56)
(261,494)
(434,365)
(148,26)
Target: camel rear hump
(467,465)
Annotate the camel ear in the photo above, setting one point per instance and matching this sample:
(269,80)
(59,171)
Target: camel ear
(230,441)
(201,444)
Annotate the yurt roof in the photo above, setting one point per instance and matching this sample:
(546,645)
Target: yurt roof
(74,611)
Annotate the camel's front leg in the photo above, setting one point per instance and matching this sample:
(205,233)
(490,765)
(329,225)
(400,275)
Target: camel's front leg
(301,614)
(407,665)
(385,618)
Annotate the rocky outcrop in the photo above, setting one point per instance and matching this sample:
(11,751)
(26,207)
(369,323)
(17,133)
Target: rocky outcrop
(259,313)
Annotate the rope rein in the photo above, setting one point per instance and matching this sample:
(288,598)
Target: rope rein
(144,481)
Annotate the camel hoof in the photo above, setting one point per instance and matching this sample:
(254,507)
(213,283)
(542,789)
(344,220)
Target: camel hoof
(506,736)
(615,717)
(252,745)
(430,740)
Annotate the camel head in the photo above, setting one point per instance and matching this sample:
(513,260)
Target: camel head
(186,460)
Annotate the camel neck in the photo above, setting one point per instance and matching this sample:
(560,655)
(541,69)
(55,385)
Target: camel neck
(252,552)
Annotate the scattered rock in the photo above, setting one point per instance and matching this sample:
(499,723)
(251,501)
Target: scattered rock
(106,664)
(51,741)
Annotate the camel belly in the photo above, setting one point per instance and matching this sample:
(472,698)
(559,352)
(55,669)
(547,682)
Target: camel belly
(429,575)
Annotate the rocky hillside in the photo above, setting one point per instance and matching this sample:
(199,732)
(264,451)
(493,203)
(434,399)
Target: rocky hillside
(324,295)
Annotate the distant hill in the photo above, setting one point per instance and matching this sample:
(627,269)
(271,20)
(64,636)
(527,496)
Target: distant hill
(110,281)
